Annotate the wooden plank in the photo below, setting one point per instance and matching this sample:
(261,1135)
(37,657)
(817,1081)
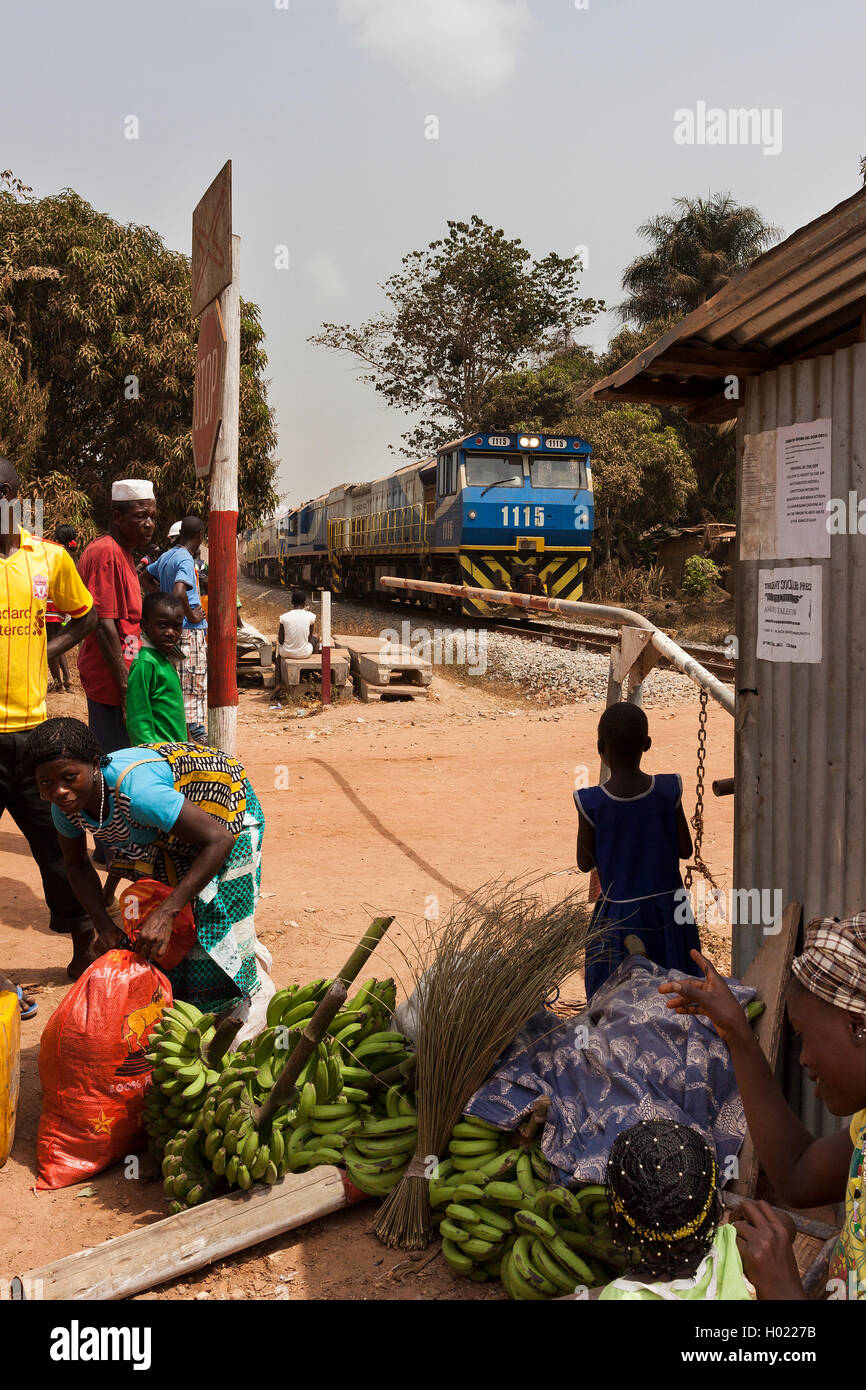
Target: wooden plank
(367,692)
(211,270)
(196,1237)
(700,360)
(291,668)
(768,975)
(665,392)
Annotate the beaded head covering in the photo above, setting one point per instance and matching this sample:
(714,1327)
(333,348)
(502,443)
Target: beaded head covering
(663,1196)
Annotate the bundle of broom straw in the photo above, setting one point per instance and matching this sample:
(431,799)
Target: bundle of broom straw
(500,954)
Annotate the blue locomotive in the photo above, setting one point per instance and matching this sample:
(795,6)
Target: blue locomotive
(494,511)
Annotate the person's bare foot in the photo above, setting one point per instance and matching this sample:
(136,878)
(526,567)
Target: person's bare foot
(84,953)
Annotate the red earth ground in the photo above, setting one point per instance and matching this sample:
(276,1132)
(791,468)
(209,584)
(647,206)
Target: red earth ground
(384,807)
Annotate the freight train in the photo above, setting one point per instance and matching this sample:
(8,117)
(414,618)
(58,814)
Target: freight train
(493,511)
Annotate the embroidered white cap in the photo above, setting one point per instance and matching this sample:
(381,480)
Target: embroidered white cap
(132,490)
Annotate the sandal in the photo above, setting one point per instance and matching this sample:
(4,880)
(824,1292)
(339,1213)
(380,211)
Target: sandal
(27,1010)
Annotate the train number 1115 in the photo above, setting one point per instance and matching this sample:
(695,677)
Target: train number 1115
(532,516)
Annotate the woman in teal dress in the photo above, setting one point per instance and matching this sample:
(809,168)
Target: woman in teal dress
(180,813)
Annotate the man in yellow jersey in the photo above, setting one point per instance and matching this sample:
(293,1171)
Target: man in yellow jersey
(31,572)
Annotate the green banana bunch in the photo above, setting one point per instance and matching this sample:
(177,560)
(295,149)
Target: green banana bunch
(187,1180)
(378,1152)
(500,1216)
(177,1052)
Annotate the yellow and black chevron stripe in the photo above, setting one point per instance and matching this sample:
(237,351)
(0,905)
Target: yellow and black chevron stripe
(560,576)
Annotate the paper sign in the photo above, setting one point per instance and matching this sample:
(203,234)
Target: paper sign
(758,497)
(789,614)
(803,491)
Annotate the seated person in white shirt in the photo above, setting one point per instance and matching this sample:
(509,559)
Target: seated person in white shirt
(295,638)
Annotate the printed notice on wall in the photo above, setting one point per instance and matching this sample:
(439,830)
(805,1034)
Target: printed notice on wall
(758,497)
(803,491)
(789,614)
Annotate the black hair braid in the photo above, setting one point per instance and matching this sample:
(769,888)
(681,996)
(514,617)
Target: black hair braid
(61,738)
(663,1197)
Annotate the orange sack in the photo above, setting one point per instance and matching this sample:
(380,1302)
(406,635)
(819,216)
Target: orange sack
(93,1068)
(139,899)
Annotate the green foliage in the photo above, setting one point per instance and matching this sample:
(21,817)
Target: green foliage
(98,359)
(466,312)
(699,575)
(697,248)
(641,473)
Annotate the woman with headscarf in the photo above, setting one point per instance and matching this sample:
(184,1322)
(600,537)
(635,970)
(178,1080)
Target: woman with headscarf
(826,1003)
(177,812)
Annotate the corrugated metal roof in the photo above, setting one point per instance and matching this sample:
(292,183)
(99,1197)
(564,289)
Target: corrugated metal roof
(806,295)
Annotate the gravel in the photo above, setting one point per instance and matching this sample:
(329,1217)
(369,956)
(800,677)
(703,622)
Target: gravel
(545,674)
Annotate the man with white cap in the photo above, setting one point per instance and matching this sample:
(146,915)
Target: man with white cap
(108,569)
(174,532)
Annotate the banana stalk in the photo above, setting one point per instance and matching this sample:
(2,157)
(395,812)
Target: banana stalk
(364,949)
(226,1031)
(284,1087)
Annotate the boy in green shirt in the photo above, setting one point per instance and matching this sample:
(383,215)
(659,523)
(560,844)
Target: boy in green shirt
(154,698)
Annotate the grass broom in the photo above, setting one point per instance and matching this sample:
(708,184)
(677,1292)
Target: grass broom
(500,953)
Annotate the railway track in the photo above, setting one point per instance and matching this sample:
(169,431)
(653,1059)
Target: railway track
(570,635)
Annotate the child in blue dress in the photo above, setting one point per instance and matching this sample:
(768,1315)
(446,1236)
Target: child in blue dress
(634,832)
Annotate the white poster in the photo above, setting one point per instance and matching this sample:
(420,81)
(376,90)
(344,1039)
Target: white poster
(803,491)
(789,614)
(758,497)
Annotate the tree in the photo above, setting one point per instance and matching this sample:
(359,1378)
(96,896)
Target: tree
(98,363)
(465,312)
(642,475)
(698,248)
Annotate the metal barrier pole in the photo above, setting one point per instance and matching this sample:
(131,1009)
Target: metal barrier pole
(662,643)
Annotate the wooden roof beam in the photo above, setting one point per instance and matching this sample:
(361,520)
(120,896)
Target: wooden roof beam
(699,360)
(656,392)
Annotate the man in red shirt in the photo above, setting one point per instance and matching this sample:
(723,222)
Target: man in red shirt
(108,570)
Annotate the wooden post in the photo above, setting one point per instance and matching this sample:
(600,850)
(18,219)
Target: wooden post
(326,647)
(181,1244)
(222,691)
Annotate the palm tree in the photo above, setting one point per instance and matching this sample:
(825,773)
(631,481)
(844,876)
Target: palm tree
(698,247)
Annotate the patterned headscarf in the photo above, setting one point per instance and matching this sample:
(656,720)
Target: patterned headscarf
(833,962)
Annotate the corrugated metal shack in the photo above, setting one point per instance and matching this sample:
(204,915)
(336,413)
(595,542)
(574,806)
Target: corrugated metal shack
(784,344)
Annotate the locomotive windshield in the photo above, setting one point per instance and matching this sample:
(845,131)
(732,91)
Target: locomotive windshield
(484,470)
(558,472)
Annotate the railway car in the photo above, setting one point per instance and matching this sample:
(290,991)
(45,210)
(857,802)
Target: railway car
(493,511)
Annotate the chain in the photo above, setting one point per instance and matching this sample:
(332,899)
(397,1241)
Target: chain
(698,817)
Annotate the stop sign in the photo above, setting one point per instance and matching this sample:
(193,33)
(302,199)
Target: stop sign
(210,366)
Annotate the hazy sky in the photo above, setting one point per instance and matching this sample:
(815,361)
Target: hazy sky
(556,123)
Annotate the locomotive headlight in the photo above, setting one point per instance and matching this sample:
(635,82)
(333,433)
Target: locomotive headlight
(473,516)
(529,441)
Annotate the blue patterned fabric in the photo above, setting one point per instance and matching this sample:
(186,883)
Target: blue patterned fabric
(625,1058)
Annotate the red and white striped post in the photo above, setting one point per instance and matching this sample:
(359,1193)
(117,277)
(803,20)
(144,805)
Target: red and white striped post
(326,647)
(222,686)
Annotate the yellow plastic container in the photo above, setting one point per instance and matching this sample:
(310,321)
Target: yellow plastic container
(10,1069)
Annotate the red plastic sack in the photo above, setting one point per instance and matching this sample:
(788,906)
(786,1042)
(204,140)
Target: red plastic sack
(93,1068)
(136,902)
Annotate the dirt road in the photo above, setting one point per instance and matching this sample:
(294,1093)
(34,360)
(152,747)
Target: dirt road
(370,809)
